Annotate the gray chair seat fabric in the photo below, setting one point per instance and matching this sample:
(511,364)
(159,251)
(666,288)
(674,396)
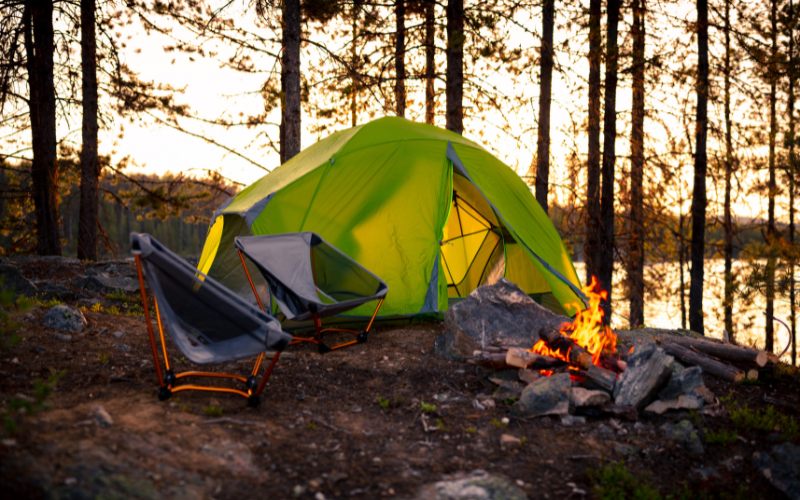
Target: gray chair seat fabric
(308,276)
(205,320)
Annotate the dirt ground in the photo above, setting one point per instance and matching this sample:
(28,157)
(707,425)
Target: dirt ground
(350,423)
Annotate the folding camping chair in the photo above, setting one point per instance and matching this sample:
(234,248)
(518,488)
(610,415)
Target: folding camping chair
(206,321)
(309,278)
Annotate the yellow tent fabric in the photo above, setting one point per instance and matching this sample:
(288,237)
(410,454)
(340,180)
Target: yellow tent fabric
(429,211)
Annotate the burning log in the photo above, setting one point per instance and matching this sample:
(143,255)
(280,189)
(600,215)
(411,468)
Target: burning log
(708,364)
(728,352)
(578,357)
(514,357)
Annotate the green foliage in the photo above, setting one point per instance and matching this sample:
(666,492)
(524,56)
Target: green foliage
(11,304)
(212,410)
(723,437)
(615,482)
(764,420)
(427,407)
(18,406)
(499,423)
(384,403)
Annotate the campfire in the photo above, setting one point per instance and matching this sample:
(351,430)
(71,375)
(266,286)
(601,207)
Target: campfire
(575,365)
(587,331)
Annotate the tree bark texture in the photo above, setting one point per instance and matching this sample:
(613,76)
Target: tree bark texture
(727,300)
(90,166)
(769,333)
(455,65)
(400,57)
(700,167)
(545,89)
(792,73)
(39,48)
(430,61)
(290,81)
(592,240)
(636,231)
(605,259)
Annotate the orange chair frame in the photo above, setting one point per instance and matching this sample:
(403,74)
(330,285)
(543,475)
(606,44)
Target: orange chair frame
(168,380)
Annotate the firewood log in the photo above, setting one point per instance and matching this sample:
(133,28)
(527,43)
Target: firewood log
(708,364)
(728,352)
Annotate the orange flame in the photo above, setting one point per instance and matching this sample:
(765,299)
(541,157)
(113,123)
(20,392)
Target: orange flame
(586,330)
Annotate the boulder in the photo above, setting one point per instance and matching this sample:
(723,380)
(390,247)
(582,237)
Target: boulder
(477,485)
(545,396)
(500,314)
(65,318)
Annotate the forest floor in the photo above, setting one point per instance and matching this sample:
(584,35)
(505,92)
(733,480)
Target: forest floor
(381,419)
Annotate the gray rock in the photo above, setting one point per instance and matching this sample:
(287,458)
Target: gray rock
(499,314)
(66,318)
(648,369)
(118,334)
(56,291)
(570,420)
(781,467)
(683,381)
(102,417)
(685,434)
(545,396)
(477,485)
(122,347)
(527,376)
(506,389)
(105,283)
(12,279)
(580,397)
(683,402)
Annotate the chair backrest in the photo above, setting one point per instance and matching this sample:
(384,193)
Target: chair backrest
(206,321)
(308,275)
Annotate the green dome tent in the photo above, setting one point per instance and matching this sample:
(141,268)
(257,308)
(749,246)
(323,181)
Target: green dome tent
(430,212)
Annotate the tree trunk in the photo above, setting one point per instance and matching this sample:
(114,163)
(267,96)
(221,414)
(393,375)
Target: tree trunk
(90,166)
(39,48)
(792,73)
(455,65)
(606,251)
(430,61)
(400,57)
(545,87)
(681,265)
(290,81)
(636,241)
(700,167)
(769,332)
(727,301)
(591,243)
(354,80)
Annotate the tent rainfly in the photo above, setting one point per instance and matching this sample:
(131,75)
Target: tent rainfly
(429,211)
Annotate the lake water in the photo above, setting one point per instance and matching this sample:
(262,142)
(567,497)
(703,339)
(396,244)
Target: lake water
(663,303)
